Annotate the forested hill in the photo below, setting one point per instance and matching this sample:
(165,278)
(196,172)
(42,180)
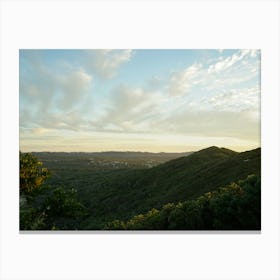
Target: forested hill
(177,180)
(201,190)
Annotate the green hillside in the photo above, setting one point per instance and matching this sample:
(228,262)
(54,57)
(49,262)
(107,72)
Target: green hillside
(201,190)
(174,181)
(233,207)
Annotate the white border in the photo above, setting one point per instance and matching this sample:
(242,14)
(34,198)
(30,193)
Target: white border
(140,24)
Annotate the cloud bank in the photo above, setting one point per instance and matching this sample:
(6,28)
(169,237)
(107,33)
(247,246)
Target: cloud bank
(214,98)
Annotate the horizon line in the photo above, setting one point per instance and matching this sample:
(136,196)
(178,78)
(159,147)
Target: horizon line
(135,151)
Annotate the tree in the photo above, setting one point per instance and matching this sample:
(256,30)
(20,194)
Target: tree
(42,206)
(62,209)
(234,207)
(32,173)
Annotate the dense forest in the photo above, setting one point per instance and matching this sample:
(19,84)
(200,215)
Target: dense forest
(212,189)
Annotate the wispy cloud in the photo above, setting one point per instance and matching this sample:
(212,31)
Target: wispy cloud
(129,110)
(182,82)
(228,62)
(222,73)
(237,100)
(72,88)
(106,63)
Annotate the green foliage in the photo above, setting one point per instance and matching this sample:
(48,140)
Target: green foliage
(115,225)
(51,209)
(127,193)
(121,195)
(32,174)
(62,209)
(192,212)
(234,207)
(30,217)
(44,207)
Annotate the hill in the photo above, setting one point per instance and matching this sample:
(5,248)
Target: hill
(178,180)
(234,207)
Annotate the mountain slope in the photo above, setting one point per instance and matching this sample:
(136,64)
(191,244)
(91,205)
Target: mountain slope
(177,180)
(233,207)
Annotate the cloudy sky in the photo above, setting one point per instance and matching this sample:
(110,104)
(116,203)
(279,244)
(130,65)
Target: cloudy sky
(139,100)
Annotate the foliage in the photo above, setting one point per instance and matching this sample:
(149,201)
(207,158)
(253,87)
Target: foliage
(30,217)
(125,194)
(234,207)
(44,207)
(32,173)
(52,209)
(122,195)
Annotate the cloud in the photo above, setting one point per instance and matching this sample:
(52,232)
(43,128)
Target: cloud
(211,123)
(129,109)
(134,110)
(237,100)
(230,61)
(40,130)
(106,63)
(138,110)
(48,99)
(220,98)
(222,74)
(182,82)
(72,88)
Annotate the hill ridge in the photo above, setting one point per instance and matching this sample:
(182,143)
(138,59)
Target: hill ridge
(174,181)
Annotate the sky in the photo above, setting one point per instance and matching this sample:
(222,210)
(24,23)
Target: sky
(139,100)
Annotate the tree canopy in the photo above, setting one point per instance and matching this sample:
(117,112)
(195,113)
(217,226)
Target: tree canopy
(233,207)
(45,207)
(32,172)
